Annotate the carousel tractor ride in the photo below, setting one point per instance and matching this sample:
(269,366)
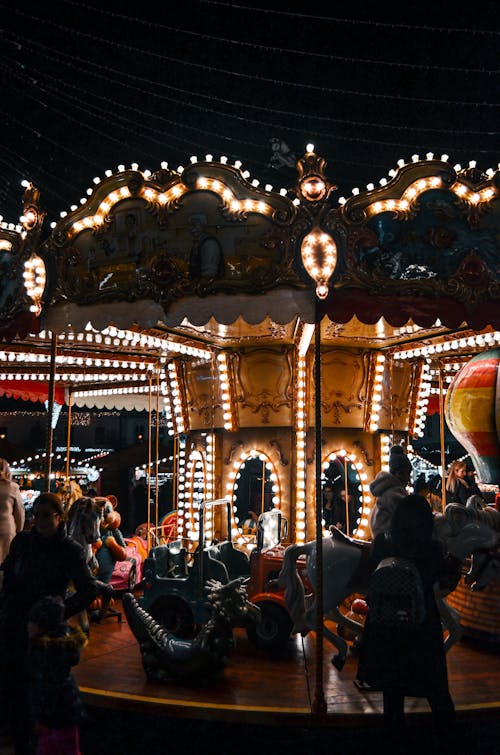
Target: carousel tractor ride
(273,630)
(174,580)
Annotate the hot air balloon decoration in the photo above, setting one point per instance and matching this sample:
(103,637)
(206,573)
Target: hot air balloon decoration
(472,411)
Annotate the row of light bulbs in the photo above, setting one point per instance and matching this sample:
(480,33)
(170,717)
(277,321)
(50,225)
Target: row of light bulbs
(457,344)
(246,174)
(423,391)
(376,394)
(300,450)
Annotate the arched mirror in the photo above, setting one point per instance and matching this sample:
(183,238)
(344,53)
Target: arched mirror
(342,497)
(255,490)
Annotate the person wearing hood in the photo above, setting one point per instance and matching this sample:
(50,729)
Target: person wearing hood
(42,561)
(389,488)
(12,512)
(410,662)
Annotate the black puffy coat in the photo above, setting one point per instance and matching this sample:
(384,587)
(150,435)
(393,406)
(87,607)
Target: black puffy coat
(37,566)
(414,662)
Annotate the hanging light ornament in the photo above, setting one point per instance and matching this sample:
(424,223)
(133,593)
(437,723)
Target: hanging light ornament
(319,257)
(318,249)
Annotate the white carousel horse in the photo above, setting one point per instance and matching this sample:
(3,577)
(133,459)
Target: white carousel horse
(345,572)
(84,526)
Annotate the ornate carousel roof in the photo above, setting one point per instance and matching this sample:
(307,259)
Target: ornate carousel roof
(201,258)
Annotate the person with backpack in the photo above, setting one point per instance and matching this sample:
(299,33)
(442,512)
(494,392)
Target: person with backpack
(389,488)
(407,657)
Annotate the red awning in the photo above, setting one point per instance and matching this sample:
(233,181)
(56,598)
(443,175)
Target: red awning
(30,390)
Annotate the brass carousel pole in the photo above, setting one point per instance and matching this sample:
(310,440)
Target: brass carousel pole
(441,438)
(263,489)
(157,441)
(68,438)
(319,702)
(50,410)
(150,411)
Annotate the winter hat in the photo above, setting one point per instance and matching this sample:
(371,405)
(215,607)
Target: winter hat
(398,461)
(48,613)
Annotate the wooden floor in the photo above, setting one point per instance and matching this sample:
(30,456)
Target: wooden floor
(258,688)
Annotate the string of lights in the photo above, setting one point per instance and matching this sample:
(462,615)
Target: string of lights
(245,76)
(86,85)
(314,54)
(351,21)
(70,60)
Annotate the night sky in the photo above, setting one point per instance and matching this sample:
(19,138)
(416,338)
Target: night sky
(88,86)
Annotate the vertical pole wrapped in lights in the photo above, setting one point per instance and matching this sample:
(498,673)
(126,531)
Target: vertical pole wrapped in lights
(319,702)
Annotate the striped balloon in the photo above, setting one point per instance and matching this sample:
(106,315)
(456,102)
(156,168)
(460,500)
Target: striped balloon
(472,411)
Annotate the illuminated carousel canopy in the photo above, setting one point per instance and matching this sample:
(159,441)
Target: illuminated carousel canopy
(204,243)
(151,265)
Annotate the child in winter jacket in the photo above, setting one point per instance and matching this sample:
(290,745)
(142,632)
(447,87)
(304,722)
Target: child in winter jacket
(56,708)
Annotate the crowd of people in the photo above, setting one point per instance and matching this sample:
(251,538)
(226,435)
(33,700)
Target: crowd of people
(45,580)
(41,704)
(41,562)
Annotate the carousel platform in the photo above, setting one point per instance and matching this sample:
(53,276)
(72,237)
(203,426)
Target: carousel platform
(258,689)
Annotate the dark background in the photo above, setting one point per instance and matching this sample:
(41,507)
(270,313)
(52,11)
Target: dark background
(87,86)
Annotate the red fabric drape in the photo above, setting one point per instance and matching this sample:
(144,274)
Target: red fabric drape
(342,304)
(30,390)
(19,327)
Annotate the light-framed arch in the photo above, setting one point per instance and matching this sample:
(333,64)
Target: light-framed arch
(256,470)
(345,471)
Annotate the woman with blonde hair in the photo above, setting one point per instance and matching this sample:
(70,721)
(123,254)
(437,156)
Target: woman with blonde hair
(11,509)
(457,488)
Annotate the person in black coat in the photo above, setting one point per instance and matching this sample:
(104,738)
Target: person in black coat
(41,561)
(412,663)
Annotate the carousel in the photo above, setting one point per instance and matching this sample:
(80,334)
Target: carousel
(289,337)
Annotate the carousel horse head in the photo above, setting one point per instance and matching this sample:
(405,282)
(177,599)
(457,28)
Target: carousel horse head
(84,520)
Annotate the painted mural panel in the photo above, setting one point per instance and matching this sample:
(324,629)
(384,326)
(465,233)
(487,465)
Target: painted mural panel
(165,241)
(433,244)
(438,245)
